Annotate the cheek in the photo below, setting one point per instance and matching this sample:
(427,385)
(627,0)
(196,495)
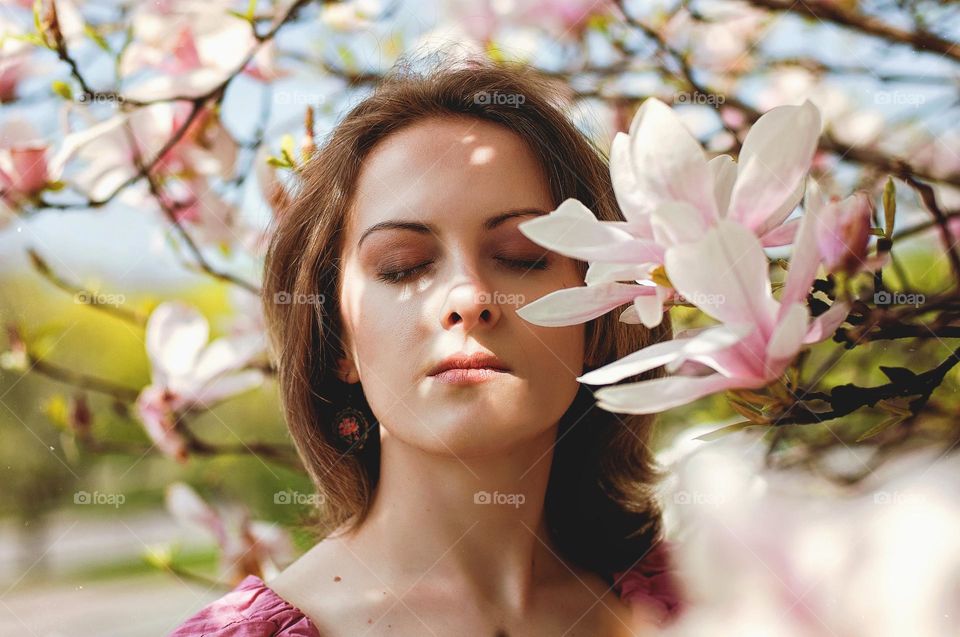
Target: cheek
(381,329)
(556,353)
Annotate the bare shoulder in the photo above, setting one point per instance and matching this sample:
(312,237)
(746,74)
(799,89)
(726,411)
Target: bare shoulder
(332,587)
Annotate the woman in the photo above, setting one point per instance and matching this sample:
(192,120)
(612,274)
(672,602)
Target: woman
(468,484)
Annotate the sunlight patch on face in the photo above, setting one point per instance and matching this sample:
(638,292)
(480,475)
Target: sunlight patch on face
(482,155)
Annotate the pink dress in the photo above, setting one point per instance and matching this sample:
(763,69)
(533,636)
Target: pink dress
(253,609)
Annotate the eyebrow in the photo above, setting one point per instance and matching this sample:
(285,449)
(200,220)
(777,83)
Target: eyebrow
(426,228)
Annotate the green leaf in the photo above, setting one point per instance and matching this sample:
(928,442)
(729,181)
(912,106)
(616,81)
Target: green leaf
(729,429)
(888,422)
(889,206)
(96,37)
(278,162)
(287,149)
(62,89)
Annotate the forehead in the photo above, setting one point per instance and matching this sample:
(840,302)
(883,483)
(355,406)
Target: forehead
(447,170)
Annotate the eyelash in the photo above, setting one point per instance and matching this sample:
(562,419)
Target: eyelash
(399,276)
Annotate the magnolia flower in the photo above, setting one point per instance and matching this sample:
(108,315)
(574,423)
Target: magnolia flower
(670,194)
(195,45)
(843,234)
(23,162)
(110,148)
(878,558)
(188,372)
(14,60)
(721,38)
(483,20)
(725,275)
(248,547)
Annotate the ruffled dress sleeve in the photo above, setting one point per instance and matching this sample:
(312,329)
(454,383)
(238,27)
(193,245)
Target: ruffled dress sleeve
(251,609)
(652,586)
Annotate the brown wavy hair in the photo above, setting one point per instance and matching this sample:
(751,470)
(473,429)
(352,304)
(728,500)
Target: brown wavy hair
(599,506)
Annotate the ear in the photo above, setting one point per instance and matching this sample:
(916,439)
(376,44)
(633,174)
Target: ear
(346,371)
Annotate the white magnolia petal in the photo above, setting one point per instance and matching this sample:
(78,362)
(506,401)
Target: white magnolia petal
(724,171)
(676,222)
(226,354)
(775,156)
(806,256)
(630,315)
(600,272)
(646,359)
(73,142)
(660,394)
(725,275)
(650,308)
(188,507)
(781,235)
(631,200)
(669,162)
(787,338)
(571,306)
(225,387)
(658,354)
(776,219)
(175,335)
(827,323)
(570,227)
(188,85)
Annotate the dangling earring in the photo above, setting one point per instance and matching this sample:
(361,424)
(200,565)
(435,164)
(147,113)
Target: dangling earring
(350,426)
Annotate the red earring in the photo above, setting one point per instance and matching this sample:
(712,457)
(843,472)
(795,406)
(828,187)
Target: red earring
(351,428)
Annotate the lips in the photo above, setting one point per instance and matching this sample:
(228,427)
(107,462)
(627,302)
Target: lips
(477,360)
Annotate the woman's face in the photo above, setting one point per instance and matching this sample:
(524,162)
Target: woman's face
(451,282)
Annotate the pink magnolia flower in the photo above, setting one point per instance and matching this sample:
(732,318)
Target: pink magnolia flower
(670,194)
(190,373)
(248,547)
(194,45)
(817,557)
(109,148)
(843,235)
(23,162)
(722,38)
(483,20)
(725,275)
(14,60)
(652,587)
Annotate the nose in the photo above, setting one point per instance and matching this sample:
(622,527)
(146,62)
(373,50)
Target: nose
(469,305)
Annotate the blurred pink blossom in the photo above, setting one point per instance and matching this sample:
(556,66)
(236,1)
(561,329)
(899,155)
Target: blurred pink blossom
(189,372)
(248,547)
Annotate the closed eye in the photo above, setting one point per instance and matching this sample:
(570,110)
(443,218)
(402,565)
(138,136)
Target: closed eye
(400,276)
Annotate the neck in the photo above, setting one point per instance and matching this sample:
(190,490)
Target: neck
(472,524)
